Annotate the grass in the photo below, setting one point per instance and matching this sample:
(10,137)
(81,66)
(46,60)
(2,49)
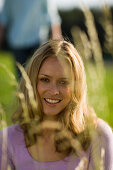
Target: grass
(101,96)
(109,87)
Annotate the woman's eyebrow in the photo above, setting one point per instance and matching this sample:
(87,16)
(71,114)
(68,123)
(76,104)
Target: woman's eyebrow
(64,78)
(44,75)
(60,78)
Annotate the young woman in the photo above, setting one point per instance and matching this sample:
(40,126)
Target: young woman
(55,128)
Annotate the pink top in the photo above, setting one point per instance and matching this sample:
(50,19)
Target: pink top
(20,159)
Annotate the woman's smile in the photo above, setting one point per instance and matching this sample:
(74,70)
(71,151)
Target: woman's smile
(52,101)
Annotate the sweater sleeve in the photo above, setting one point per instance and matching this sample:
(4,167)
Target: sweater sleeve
(101,152)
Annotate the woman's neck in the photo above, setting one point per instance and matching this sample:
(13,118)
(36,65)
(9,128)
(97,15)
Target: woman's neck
(44,150)
(47,136)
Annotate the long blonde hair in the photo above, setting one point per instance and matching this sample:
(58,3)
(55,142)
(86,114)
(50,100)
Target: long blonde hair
(76,115)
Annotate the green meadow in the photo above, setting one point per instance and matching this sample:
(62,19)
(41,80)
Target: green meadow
(7,87)
(100,95)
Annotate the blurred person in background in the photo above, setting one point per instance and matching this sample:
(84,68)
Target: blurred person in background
(27,24)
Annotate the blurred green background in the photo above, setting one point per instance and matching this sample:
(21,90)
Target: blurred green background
(7,89)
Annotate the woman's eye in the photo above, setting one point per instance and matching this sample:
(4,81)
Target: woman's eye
(64,82)
(44,79)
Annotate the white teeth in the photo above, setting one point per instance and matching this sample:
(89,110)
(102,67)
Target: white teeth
(52,101)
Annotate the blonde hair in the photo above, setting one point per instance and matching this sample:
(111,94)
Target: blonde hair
(76,115)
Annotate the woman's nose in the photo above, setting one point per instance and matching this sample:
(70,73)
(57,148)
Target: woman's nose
(54,89)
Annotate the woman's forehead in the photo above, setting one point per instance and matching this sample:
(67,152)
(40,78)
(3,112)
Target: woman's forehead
(55,65)
(61,60)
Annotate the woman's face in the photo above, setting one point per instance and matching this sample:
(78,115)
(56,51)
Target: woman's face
(54,86)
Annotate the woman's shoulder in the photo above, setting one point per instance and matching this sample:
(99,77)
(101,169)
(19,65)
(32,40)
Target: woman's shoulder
(102,145)
(103,138)
(13,133)
(12,129)
(104,129)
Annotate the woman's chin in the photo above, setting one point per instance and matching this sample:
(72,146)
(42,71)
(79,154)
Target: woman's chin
(49,116)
